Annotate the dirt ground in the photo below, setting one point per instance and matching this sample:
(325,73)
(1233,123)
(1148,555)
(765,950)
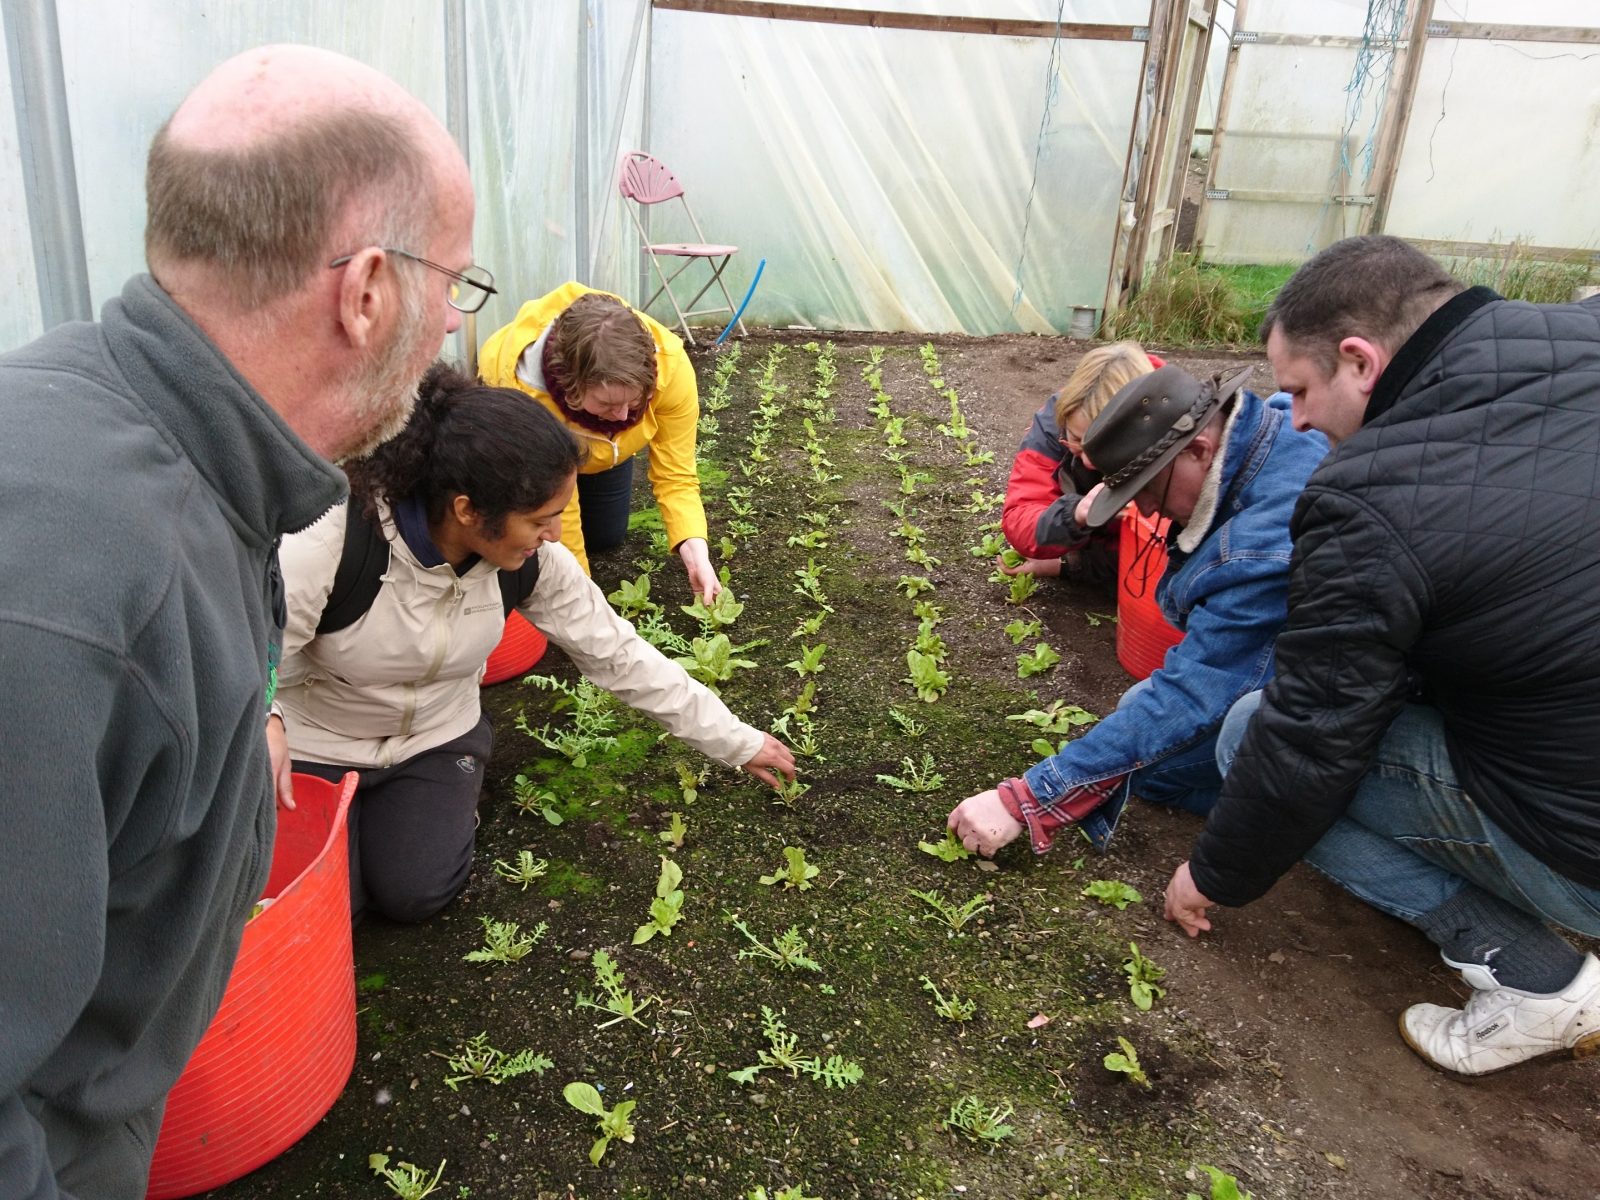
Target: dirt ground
(1309,982)
(1275,1052)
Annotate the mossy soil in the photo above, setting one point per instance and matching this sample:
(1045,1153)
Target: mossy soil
(1043,963)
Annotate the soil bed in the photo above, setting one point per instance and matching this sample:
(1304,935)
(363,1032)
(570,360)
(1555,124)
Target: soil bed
(1273,1054)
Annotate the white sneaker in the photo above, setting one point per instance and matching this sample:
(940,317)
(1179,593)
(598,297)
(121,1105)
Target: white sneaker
(1501,1027)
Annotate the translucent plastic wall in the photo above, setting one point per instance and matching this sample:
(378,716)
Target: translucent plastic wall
(897,179)
(556,88)
(1288,132)
(1504,140)
(128,66)
(1501,141)
(19,317)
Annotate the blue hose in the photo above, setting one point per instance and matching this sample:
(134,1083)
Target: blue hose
(743,304)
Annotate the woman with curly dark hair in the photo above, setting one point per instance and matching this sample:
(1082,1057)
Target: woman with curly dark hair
(394,603)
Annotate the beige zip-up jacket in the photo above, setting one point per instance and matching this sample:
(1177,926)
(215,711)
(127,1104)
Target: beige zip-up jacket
(404,678)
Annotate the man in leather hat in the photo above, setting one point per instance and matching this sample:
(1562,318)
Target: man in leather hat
(1225,467)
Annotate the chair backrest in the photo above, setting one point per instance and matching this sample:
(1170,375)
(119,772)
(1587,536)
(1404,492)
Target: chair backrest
(646,180)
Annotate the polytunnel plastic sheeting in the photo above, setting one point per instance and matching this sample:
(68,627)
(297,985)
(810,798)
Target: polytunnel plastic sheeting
(128,66)
(1289,113)
(525,68)
(1501,148)
(20,319)
(885,175)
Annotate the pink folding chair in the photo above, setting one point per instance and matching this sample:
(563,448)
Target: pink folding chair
(645,180)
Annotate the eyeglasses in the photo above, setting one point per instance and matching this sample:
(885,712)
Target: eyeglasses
(472,288)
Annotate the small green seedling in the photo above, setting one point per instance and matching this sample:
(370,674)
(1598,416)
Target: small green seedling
(920,556)
(793,1192)
(632,597)
(915,585)
(530,798)
(655,630)
(949,850)
(618,999)
(711,660)
(724,610)
(1143,977)
(1037,663)
(726,547)
(809,626)
(667,907)
(405,1180)
(918,777)
(955,916)
(951,1008)
(797,874)
(593,719)
(1059,718)
(691,780)
(910,726)
(1127,1063)
(614,1123)
(1113,892)
(527,868)
(926,611)
(926,676)
(504,941)
(1096,619)
(789,949)
(479,1060)
(673,833)
(1223,1186)
(988,546)
(790,790)
(1020,631)
(1022,586)
(968,1116)
(783,1054)
(810,660)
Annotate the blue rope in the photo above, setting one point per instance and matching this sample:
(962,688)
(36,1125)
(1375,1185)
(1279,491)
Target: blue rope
(1369,79)
(1051,93)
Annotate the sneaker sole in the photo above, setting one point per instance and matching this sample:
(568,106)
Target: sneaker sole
(1587,1046)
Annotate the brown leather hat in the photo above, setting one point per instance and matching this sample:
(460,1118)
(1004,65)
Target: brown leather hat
(1144,426)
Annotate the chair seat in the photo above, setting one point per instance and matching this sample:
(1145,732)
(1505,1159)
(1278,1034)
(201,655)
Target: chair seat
(692,249)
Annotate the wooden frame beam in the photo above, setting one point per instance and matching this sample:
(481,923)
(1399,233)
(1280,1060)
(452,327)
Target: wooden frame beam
(875,19)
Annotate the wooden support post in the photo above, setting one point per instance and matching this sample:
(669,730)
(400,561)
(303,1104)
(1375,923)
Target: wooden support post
(1219,126)
(1396,120)
(1134,207)
(1186,121)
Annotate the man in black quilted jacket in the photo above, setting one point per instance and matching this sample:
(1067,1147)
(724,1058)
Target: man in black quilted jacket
(1431,740)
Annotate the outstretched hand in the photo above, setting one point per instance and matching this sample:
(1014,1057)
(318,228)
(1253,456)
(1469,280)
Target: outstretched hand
(703,579)
(772,760)
(1041,567)
(982,823)
(1186,904)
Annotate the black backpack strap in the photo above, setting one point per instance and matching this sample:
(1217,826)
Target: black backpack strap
(516,586)
(360,574)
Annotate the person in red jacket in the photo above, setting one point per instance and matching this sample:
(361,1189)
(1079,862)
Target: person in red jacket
(1049,476)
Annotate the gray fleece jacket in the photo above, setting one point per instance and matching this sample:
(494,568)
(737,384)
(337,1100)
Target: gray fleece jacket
(143,487)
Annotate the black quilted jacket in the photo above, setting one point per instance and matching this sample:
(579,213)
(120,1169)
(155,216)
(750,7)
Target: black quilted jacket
(1452,546)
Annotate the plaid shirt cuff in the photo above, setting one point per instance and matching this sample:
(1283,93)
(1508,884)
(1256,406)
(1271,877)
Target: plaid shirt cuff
(1044,823)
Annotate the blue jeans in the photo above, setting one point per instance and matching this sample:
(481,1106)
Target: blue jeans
(1412,838)
(604,499)
(1188,779)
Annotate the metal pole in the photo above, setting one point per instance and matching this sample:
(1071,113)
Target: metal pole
(580,147)
(644,144)
(455,119)
(49,179)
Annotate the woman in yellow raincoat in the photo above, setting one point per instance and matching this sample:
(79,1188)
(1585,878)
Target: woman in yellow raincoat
(619,381)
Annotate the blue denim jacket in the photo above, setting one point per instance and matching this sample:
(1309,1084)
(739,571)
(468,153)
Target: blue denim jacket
(1230,598)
